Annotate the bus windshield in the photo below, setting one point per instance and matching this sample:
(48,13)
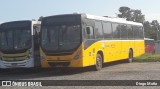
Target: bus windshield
(15,38)
(60,37)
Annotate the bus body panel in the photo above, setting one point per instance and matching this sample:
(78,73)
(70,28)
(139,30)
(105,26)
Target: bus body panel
(113,51)
(88,55)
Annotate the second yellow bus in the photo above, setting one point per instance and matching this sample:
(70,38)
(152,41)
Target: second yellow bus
(80,40)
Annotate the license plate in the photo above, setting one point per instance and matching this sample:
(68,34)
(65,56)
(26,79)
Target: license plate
(59,65)
(14,64)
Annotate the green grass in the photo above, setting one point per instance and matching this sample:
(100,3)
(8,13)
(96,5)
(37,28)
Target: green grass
(148,58)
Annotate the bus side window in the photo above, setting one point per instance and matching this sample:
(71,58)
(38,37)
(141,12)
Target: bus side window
(107,28)
(116,30)
(136,32)
(89,32)
(98,29)
(141,35)
(130,32)
(124,31)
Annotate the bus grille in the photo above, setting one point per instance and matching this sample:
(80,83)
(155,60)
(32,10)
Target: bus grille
(13,58)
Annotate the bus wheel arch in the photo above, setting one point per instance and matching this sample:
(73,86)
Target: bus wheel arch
(99,60)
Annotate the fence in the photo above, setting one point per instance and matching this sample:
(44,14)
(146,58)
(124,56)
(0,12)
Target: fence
(157,46)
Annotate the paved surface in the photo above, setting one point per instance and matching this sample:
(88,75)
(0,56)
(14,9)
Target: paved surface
(112,71)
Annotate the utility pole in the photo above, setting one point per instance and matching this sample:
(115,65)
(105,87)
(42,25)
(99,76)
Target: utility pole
(157,32)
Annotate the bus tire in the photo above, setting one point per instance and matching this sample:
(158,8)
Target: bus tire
(99,62)
(130,58)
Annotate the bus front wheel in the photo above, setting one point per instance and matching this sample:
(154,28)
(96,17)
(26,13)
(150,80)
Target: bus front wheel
(99,62)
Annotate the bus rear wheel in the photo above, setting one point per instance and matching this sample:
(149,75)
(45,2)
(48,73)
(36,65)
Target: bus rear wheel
(130,58)
(99,62)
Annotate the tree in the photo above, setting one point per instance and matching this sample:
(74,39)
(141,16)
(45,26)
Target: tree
(148,29)
(137,16)
(131,14)
(125,13)
(40,18)
(155,29)
(152,29)
(155,23)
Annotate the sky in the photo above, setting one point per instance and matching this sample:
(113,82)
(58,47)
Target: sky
(12,10)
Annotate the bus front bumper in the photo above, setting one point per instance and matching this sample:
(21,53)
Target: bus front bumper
(28,63)
(72,63)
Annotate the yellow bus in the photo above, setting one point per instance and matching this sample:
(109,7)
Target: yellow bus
(80,40)
(19,44)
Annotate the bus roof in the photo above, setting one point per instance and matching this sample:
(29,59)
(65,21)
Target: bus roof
(148,39)
(116,20)
(109,19)
(33,21)
(19,23)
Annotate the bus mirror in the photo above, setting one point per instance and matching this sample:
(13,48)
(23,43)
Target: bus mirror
(88,30)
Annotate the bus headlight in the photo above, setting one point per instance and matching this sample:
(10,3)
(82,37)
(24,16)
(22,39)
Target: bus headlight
(29,56)
(77,55)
